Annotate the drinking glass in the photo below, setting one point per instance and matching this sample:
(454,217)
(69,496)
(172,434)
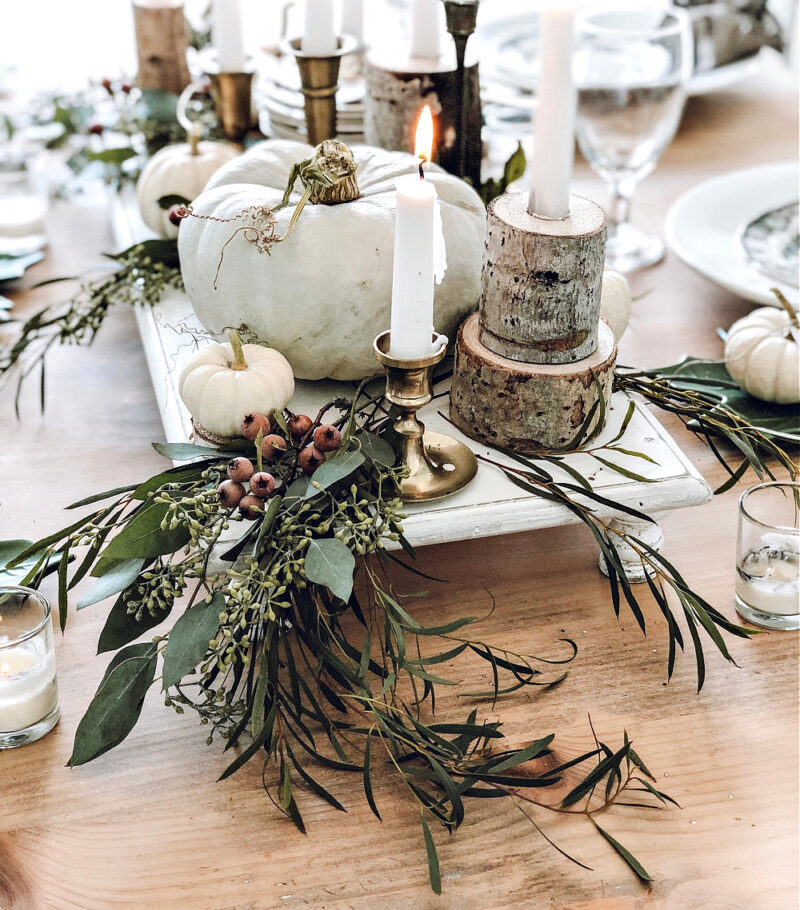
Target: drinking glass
(28,694)
(768,555)
(632,65)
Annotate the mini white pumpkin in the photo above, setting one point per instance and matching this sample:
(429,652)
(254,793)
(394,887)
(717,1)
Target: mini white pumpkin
(762,355)
(223,383)
(615,302)
(178,170)
(321,296)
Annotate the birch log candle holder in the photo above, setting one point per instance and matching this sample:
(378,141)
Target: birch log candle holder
(162,40)
(398,90)
(535,359)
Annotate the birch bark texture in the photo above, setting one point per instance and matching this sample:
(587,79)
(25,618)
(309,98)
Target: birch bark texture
(541,281)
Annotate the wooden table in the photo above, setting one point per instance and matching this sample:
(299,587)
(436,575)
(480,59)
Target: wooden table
(147,827)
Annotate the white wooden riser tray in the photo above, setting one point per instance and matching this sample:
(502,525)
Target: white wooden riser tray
(491,504)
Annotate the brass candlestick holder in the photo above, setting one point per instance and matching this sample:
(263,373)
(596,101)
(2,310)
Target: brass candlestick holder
(319,78)
(439,465)
(232,94)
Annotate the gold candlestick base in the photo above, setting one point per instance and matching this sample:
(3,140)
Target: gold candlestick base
(439,465)
(232,94)
(319,78)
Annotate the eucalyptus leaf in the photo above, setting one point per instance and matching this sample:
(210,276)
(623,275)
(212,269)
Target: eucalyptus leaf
(376,449)
(329,562)
(115,580)
(166,202)
(182,451)
(113,156)
(143,535)
(335,469)
(188,641)
(122,627)
(117,704)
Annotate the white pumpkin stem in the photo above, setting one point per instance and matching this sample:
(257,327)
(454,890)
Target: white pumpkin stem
(194,136)
(239,363)
(789,309)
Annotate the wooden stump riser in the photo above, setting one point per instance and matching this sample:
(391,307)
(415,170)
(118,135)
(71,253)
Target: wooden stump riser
(162,39)
(541,281)
(526,407)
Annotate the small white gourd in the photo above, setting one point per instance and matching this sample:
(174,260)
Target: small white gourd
(615,302)
(223,383)
(762,354)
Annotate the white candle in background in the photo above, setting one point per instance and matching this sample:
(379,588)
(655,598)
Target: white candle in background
(319,35)
(426,31)
(28,691)
(227,35)
(353,19)
(554,140)
(418,255)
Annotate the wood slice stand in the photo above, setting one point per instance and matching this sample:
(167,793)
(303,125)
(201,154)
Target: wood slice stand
(397,92)
(161,44)
(527,407)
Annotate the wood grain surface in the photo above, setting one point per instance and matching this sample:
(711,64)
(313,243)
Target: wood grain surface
(146,826)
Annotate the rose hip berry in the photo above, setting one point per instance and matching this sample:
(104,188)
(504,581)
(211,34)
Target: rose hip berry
(176,214)
(299,425)
(251,506)
(126,88)
(106,83)
(255,423)
(230,493)
(240,469)
(262,484)
(310,459)
(96,129)
(272,446)
(327,438)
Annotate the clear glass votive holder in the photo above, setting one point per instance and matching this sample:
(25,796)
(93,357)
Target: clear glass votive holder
(768,555)
(28,693)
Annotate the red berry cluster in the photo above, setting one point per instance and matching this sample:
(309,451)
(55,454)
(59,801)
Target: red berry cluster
(310,443)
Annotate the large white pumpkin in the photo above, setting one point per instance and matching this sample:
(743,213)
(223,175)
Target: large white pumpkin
(178,170)
(762,355)
(321,296)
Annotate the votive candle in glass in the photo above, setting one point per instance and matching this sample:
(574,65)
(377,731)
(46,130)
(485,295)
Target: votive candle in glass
(768,555)
(28,693)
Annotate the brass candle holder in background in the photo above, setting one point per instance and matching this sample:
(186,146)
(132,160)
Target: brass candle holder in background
(232,94)
(461,16)
(319,79)
(439,465)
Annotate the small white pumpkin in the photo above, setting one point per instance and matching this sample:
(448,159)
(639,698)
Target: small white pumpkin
(615,302)
(178,170)
(762,355)
(223,383)
(321,296)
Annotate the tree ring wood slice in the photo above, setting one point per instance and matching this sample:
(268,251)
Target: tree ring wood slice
(526,407)
(541,280)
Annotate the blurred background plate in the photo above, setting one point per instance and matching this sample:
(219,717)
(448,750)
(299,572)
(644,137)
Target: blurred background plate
(704,227)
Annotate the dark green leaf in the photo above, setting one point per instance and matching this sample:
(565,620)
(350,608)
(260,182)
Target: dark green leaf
(122,628)
(117,703)
(113,156)
(189,638)
(376,449)
(143,536)
(433,859)
(99,497)
(166,202)
(629,858)
(368,780)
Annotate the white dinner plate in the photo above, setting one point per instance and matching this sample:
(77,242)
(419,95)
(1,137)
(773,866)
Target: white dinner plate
(705,225)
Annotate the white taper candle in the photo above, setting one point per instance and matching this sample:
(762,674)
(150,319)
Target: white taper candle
(227,35)
(426,29)
(319,34)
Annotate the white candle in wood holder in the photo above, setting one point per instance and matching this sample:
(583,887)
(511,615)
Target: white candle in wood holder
(554,141)
(319,35)
(426,28)
(227,35)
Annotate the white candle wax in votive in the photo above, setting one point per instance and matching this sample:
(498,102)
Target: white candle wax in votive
(28,691)
(227,35)
(319,35)
(554,139)
(768,578)
(353,19)
(413,274)
(426,29)
(22,215)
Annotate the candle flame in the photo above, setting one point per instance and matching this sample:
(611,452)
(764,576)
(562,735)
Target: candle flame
(5,669)
(423,139)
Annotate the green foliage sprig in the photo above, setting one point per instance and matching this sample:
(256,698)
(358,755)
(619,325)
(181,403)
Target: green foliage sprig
(281,654)
(142,274)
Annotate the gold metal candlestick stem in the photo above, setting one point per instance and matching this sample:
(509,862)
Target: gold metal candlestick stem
(319,78)
(232,94)
(439,465)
